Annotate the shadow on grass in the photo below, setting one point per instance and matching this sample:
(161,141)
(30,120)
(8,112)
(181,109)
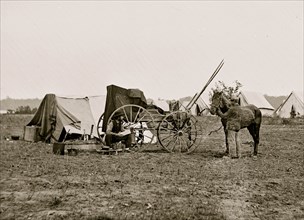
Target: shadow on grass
(155,151)
(198,152)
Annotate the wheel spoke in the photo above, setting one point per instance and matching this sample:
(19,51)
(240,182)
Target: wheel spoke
(142,117)
(169,143)
(180,144)
(168,130)
(169,124)
(170,146)
(169,135)
(126,115)
(137,114)
(174,143)
(186,144)
(131,114)
(193,133)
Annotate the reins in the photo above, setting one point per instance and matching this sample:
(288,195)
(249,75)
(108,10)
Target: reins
(216,130)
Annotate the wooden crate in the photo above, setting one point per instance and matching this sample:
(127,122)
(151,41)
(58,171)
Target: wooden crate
(58,148)
(31,133)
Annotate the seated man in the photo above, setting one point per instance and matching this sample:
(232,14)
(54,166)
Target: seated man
(115,129)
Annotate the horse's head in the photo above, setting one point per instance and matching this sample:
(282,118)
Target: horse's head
(216,102)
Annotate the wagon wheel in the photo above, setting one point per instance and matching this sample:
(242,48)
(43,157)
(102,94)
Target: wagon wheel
(99,127)
(141,124)
(179,132)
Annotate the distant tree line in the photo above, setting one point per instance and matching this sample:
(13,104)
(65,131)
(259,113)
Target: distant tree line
(23,110)
(11,105)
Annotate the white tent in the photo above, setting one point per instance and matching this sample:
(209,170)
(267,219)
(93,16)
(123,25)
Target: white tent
(258,100)
(3,112)
(184,105)
(204,103)
(163,104)
(294,101)
(199,108)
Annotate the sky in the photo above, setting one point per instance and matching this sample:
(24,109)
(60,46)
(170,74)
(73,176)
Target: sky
(167,49)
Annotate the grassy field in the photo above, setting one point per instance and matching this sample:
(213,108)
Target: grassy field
(36,184)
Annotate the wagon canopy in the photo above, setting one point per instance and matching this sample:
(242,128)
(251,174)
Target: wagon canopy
(57,115)
(117,97)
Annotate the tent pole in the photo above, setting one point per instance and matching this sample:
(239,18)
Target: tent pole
(190,105)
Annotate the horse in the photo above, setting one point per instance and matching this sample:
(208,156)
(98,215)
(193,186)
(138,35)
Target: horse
(235,118)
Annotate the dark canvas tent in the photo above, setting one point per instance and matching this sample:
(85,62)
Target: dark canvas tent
(117,97)
(57,115)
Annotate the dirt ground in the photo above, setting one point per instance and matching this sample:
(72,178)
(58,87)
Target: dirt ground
(153,184)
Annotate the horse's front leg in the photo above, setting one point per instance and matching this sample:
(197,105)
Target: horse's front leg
(237,143)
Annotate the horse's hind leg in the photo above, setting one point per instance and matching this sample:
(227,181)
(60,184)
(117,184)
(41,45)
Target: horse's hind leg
(227,142)
(257,139)
(254,131)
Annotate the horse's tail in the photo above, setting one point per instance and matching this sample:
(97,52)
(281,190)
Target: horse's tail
(257,116)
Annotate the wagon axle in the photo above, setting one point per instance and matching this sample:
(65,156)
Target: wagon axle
(180,133)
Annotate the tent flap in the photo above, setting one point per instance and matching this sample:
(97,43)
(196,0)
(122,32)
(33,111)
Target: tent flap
(45,116)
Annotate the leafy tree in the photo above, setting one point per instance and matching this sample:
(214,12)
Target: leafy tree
(230,91)
(23,110)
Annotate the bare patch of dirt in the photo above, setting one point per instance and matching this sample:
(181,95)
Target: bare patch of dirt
(36,184)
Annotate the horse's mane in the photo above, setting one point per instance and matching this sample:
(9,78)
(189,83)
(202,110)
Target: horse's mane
(226,102)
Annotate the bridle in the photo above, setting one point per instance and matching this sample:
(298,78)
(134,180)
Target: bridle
(219,104)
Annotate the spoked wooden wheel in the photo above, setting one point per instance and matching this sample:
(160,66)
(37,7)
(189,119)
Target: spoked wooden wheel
(179,132)
(99,127)
(139,122)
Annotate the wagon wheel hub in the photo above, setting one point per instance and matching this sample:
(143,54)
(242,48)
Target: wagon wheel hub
(180,133)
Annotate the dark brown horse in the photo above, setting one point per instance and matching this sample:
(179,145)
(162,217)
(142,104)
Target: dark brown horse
(235,117)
